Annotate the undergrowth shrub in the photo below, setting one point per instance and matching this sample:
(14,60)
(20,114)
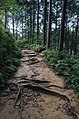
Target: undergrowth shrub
(25,44)
(64,65)
(9,56)
(22,43)
(36,47)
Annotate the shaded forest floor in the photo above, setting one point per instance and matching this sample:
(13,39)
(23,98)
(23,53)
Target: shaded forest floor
(37,93)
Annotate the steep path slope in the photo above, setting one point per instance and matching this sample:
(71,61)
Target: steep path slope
(37,101)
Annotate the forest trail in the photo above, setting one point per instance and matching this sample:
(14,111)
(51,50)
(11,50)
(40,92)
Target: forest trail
(33,103)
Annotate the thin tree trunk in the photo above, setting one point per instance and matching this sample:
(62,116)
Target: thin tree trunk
(76,34)
(5,18)
(45,26)
(49,24)
(32,21)
(30,33)
(63,25)
(13,23)
(16,30)
(37,20)
(25,23)
(22,26)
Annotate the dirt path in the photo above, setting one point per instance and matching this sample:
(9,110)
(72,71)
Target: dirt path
(34,104)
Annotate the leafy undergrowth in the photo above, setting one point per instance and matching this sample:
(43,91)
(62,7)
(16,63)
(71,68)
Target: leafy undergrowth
(66,66)
(22,43)
(25,44)
(36,47)
(9,56)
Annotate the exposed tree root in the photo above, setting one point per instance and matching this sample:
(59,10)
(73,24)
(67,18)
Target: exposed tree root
(33,81)
(32,55)
(46,91)
(26,52)
(41,89)
(21,77)
(54,86)
(18,95)
(31,63)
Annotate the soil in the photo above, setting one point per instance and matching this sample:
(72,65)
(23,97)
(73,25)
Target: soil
(33,104)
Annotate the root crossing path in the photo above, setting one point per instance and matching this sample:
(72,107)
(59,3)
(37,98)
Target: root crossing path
(36,92)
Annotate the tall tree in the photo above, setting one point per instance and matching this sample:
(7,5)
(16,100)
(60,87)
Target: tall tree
(38,19)
(76,35)
(44,26)
(6,18)
(49,24)
(64,4)
(13,22)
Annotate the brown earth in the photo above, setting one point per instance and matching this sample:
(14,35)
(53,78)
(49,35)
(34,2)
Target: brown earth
(35,104)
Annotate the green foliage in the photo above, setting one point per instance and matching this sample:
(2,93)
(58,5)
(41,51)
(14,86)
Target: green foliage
(9,56)
(25,44)
(22,43)
(36,47)
(64,65)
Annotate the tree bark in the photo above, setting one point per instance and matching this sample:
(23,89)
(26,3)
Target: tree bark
(13,23)
(5,18)
(37,20)
(62,25)
(76,34)
(33,18)
(49,25)
(44,26)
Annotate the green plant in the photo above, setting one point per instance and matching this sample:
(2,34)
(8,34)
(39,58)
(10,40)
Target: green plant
(64,65)
(9,56)
(22,43)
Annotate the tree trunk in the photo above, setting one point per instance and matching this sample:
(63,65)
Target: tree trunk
(33,18)
(62,25)
(13,23)
(22,26)
(5,18)
(45,26)
(76,34)
(16,30)
(25,22)
(49,24)
(37,20)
